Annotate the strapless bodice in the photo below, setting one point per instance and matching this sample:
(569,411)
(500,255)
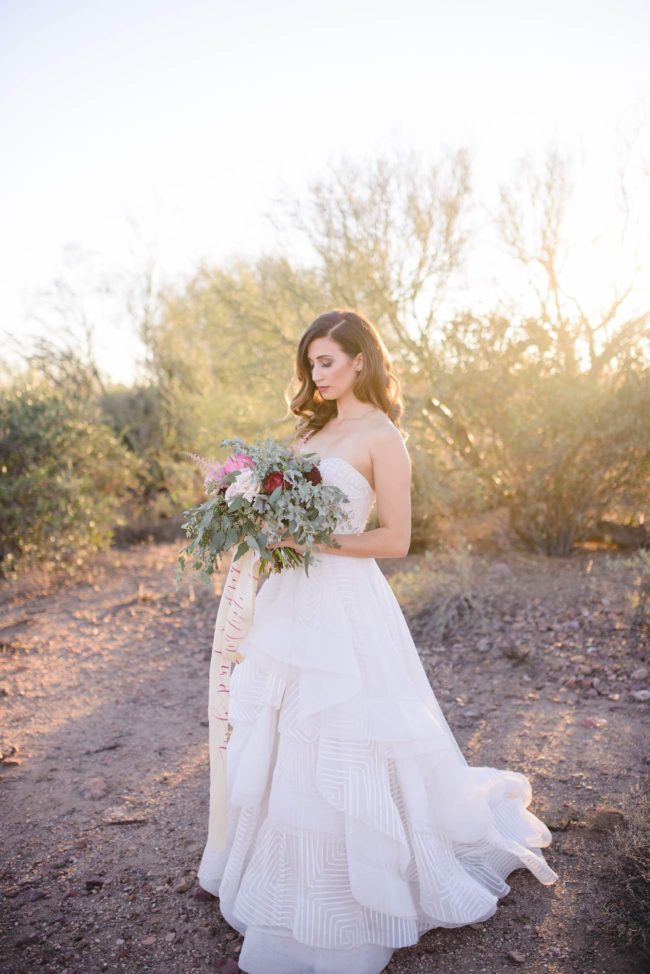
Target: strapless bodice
(341,473)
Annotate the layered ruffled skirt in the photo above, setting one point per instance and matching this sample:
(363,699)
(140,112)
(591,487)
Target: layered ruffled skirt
(355,824)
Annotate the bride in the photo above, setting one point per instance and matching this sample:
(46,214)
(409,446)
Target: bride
(354,822)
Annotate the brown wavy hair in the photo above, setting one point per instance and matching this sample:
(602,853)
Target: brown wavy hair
(376,383)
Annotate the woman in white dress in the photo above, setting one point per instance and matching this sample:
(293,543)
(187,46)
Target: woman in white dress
(355,824)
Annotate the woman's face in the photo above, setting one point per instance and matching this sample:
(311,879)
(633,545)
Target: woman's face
(332,369)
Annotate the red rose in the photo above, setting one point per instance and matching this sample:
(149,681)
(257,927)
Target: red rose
(314,476)
(273,480)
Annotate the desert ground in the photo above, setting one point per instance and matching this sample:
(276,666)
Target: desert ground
(540,666)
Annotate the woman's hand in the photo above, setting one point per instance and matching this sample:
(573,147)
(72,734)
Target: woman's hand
(288,543)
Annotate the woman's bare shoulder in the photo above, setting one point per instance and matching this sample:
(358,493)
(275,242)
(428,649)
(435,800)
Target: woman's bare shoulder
(386,438)
(383,429)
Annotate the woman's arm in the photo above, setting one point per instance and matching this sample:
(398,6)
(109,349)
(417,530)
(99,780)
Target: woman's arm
(391,466)
(376,543)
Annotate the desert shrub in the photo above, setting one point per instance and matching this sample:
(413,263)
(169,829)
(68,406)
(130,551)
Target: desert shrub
(442,488)
(633,571)
(444,593)
(574,444)
(558,448)
(629,904)
(166,482)
(63,476)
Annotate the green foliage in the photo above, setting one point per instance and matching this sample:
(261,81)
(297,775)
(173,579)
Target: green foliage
(222,352)
(557,447)
(575,444)
(63,475)
(141,421)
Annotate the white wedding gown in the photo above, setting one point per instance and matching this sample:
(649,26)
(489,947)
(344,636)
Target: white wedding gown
(355,824)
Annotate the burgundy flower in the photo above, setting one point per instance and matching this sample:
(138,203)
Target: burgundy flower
(273,480)
(314,476)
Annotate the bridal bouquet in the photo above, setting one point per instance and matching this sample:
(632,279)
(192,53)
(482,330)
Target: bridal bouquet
(262,494)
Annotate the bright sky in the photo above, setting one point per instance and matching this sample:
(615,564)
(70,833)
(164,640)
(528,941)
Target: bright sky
(186,118)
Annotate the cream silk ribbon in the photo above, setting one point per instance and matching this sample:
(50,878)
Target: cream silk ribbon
(234,618)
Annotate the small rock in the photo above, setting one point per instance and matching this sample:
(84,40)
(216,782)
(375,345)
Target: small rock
(517,651)
(94,882)
(123,815)
(34,894)
(61,863)
(94,788)
(606,819)
(517,956)
(641,696)
(203,896)
(184,885)
(500,568)
(226,966)
(640,673)
(556,663)
(592,721)
(148,941)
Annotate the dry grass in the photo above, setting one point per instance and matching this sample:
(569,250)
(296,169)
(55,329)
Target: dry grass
(452,588)
(628,909)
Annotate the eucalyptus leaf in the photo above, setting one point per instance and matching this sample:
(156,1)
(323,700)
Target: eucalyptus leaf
(241,551)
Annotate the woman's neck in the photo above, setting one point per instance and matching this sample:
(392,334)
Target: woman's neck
(355,409)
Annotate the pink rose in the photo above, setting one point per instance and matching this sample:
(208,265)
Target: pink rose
(237,461)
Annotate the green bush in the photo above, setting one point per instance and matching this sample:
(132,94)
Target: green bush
(557,447)
(63,476)
(575,444)
(167,483)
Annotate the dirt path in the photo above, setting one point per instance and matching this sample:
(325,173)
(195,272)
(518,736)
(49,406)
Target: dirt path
(105,772)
